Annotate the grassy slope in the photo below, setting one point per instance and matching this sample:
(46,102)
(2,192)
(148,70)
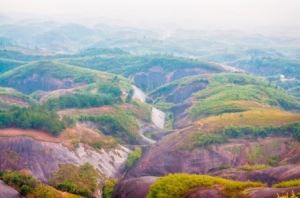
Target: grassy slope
(228,92)
(128,64)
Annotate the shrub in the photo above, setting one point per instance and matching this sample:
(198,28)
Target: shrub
(120,124)
(32,118)
(44,191)
(207,139)
(179,185)
(108,188)
(133,157)
(80,180)
(254,167)
(286,184)
(110,89)
(22,182)
(81,100)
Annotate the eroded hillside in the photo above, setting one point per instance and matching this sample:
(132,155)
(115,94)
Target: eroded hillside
(113,123)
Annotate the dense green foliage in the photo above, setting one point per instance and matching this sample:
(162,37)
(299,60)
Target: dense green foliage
(204,139)
(110,89)
(31,118)
(179,185)
(287,184)
(120,124)
(108,188)
(133,157)
(81,100)
(80,180)
(30,187)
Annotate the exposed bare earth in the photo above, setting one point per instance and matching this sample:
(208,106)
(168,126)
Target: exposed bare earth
(37,135)
(41,153)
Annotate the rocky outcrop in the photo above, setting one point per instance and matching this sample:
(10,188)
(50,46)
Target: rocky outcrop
(134,187)
(43,158)
(269,175)
(169,156)
(8,192)
(139,187)
(158,117)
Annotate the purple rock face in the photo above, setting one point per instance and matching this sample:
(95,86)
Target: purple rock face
(220,160)
(8,192)
(41,158)
(134,187)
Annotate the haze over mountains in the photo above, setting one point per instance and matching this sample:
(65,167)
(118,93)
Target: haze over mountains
(116,110)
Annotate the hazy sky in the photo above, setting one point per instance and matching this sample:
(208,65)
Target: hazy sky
(231,14)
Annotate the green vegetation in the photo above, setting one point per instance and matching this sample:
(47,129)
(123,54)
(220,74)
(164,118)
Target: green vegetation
(110,89)
(133,157)
(80,180)
(254,167)
(22,182)
(41,75)
(80,100)
(108,94)
(108,188)
(225,90)
(31,118)
(205,139)
(179,185)
(120,124)
(287,184)
(30,187)
(127,64)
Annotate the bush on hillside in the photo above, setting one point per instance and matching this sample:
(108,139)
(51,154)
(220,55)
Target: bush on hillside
(81,100)
(133,157)
(179,185)
(108,188)
(121,125)
(22,182)
(110,89)
(31,118)
(80,180)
